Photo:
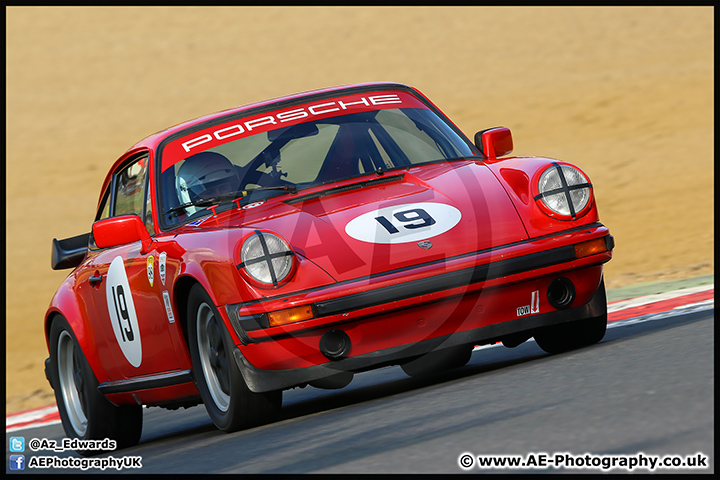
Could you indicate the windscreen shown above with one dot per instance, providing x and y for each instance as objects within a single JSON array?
[{"x": 301, "y": 147}]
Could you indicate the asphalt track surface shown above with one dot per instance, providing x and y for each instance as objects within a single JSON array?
[{"x": 647, "y": 388}]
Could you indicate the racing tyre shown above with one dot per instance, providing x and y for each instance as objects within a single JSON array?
[
  {"x": 438, "y": 361},
  {"x": 85, "y": 413},
  {"x": 228, "y": 400},
  {"x": 577, "y": 334}
]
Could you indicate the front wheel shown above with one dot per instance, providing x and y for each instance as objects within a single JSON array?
[
  {"x": 228, "y": 400},
  {"x": 85, "y": 413},
  {"x": 576, "y": 334},
  {"x": 438, "y": 361}
]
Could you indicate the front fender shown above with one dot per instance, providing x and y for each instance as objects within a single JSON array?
[
  {"x": 218, "y": 278},
  {"x": 211, "y": 258},
  {"x": 519, "y": 176},
  {"x": 215, "y": 270}
]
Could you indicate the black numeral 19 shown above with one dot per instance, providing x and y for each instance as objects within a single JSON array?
[
  {"x": 122, "y": 313},
  {"x": 411, "y": 219}
]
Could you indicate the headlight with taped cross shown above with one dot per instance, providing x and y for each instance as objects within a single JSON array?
[
  {"x": 267, "y": 259},
  {"x": 564, "y": 191}
]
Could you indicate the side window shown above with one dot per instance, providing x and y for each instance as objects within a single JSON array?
[
  {"x": 102, "y": 213},
  {"x": 128, "y": 193},
  {"x": 104, "y": 210},
  {"x": 129, "y": 189},
  {"x": 148, "y": 209}
]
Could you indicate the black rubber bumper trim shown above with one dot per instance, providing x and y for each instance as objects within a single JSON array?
[
  {"x": 260, "y": 380},
  {"x": 146, "y": 383},
  {"x": 437, "y": 283},
  {"x": 445, "y": 281},
  {"x": 410, "y": 268}
]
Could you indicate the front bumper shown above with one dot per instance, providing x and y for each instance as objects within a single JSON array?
[
  {"x": 470, "y": 299},
  {"x": 260, "y": 380}
]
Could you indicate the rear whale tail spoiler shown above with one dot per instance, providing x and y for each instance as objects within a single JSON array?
[{"x": 69, "y": 252}]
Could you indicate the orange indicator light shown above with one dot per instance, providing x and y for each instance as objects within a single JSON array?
[
  {"x": 590, "y": 247},
  {"x": 290, "y": 315}
]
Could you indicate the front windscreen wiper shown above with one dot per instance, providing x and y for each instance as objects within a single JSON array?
[
  {"x": 203, "y": 202},
  {"x": 289, "y": 188},
  {"x": 206, "y": 202},
  {"x": 380, "y": 179}
]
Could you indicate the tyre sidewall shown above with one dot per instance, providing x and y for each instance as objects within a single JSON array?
[
  {"x": 104, "y": 420},
  {"x": 246, "y": 409},
  {"x": 578, "y": 333},
  {"x": 573, "y": 335}
]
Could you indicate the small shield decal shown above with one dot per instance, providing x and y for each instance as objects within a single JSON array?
[{"x": 426, "y": 244}]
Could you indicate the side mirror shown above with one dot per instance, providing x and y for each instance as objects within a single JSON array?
[
  {"x": 494, "y": 142},
  {"x": 121, "y": 230}
]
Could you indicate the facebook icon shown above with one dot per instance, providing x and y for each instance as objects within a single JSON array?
[{"x": 17, "y": 462}]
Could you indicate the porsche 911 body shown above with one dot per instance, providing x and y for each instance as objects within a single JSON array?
[{"x": 305, "y": 239}]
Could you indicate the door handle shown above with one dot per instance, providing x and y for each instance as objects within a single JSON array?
[{"x": 95, "y": 279}]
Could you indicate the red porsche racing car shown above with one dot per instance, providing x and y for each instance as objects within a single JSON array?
[{"x": 301, "y": 240}]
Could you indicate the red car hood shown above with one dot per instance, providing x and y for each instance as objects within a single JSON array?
[{"x": 409, "y": 217}]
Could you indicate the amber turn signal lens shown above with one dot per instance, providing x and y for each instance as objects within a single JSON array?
[
  {"x": 290, "y": 315},
  {"x": 591, "y": 247}
]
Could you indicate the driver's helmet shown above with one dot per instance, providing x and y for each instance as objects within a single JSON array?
[{"x": 205, "y": 175}]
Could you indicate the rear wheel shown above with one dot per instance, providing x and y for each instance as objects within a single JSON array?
[
  {"x": 228, "y": 400},
  {"x": 577, "y": 334},
  {"x": 85, "y": 413}
]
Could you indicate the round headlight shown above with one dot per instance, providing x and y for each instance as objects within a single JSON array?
[
  {"x": 266, "y": 258},
  {"x": 564, "y": 190}
]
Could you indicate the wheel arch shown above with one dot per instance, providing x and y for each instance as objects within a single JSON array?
[
  {"x": 182, "y": 290},
  {"x": 68, "y": 308},
  {"x": 195, "y": 274}
]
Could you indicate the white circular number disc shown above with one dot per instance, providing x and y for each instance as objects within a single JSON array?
[
  {"x": 122, "y": 312},
  {"x": 410, "y": 222}
]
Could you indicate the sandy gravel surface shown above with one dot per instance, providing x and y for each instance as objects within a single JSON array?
[{"x": 626, "y": 93}]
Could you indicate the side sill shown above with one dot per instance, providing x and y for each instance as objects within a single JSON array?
[{"x": 147, "y": 382}]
